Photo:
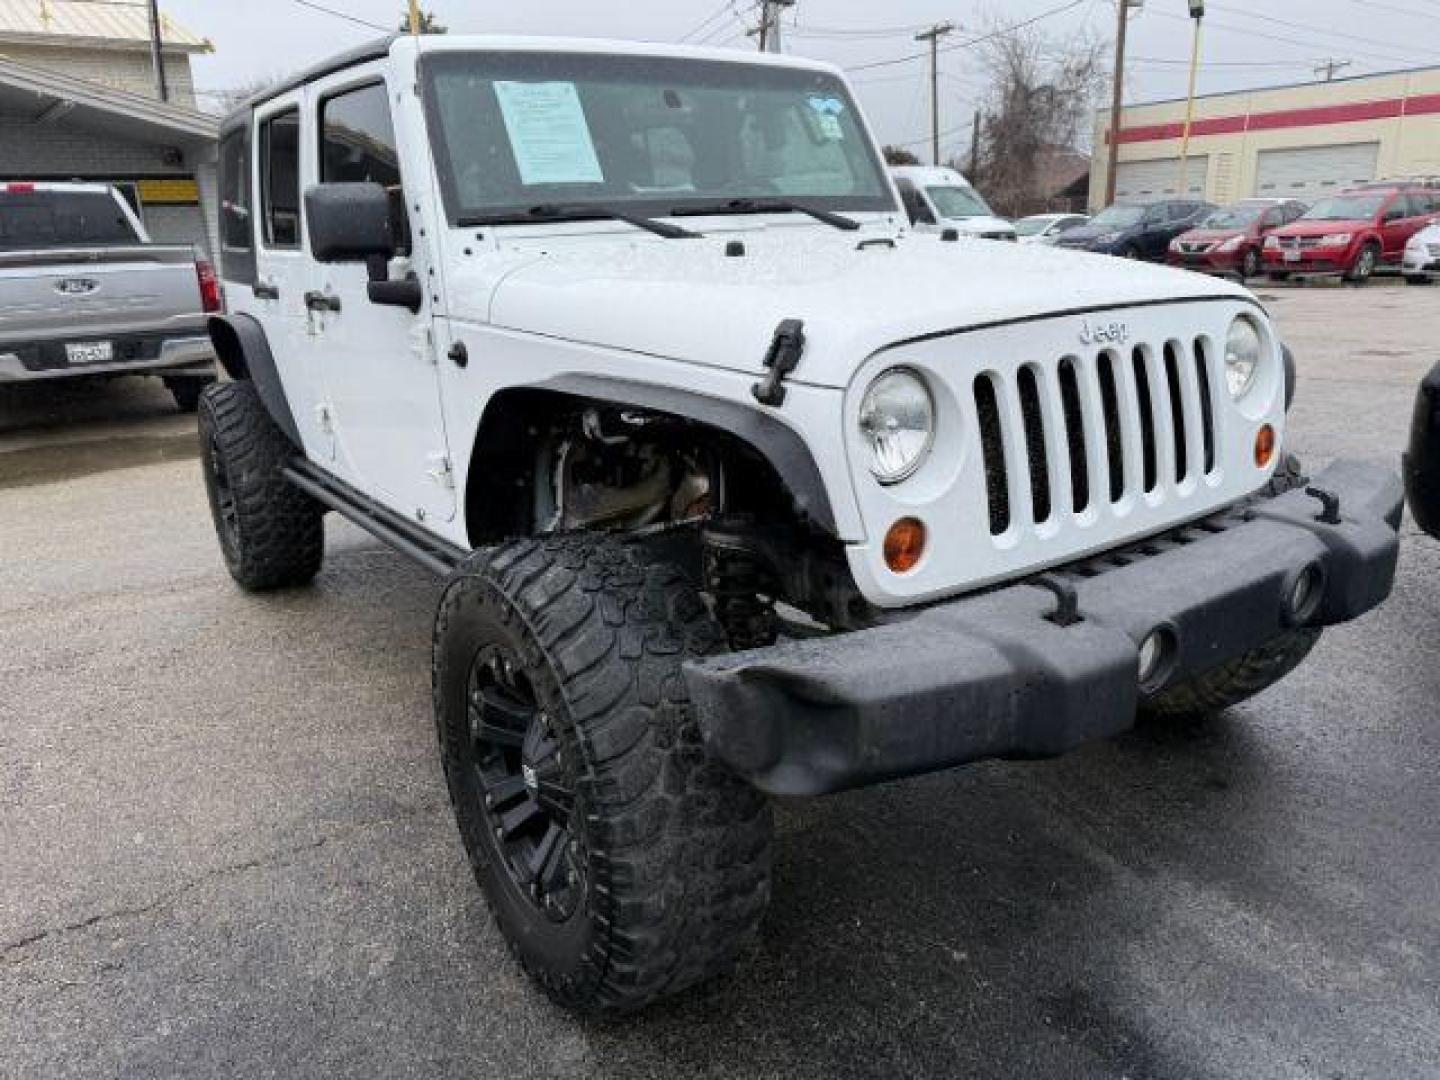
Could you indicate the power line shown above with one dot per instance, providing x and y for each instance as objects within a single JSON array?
[
  {"x": 972, "y": 42},
  {"x": 1290, "y": 24},
  {"x": 720, "y": 12},
  {"x": 344, "y": 15},
  {"x": 1294, "y": 42}
]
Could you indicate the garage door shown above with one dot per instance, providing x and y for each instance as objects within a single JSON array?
[
  {"x": 1149, "y": 181},
  {"x": 1315, "y": 171}
]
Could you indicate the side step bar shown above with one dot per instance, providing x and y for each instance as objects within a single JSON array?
[{"x": 436, "y": 555}]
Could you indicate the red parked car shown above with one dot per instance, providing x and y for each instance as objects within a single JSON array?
[
  {"x": 1353, "y": 234},
  {"x": 1230, "y": 240}
]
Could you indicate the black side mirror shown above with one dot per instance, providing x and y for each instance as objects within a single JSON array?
[
  {"x": 349, "y": 222},
  {"x": 353, "y": 223}
]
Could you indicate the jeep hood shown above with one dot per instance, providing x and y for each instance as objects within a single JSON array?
[{"x": 686, "y": 300}]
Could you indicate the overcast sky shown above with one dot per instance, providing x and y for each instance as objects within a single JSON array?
[{"x": 1247, "y": 42}]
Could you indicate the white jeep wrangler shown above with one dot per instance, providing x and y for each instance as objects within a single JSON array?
[{"x": 741, "y": 489}]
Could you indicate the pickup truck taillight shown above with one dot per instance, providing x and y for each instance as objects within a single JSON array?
[{"x": 209, "y": 286}]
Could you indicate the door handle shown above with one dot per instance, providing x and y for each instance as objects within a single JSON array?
[
  {"x": 264, "y": 290},
  {"x": 320, "y": 301}
]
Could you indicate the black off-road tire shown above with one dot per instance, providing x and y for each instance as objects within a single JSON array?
[
  {"x": 271, "y": 534},
  {"x": 671, "y": 851},
  {"x": 1235, "y": 682},
  {"x": 187, "y": 392}
]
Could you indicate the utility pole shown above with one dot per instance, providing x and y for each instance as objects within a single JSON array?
[
  {"x": 414, "y": 18},
  {"x": 975, "y": 149},
  {"x": 162, "y": 90},
  {"x": 1197, "y": 12},
  {"x": 1117, "y": 100},
  {"x": 1330, "y": 67},
  {"x": 933, "y": 36},
  {"x": 769, "y": 32}
]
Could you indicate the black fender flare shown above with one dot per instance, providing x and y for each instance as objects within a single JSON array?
[
  {"x": 777, "y": 443},
  {"x": 244, "y": 353}
]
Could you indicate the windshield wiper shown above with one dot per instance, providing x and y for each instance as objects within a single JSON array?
[
  {"x": 588, "y": 212},
  {"x": 766, "y": 206}
]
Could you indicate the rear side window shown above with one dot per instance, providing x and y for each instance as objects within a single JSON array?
[
  {"x": 357, "y": 146},
  {"x": 280, "y": 180},
  {"x": 47, "y": 219},
  {"x": 237, "y": 207}
]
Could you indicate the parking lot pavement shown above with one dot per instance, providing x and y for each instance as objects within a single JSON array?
[{"x": 225, "y": 848}]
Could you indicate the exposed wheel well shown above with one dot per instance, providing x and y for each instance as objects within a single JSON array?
[{"x": 522, "y": 427}]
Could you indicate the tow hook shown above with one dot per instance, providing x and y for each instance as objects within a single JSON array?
[
  {"x": 1330, "y": 514},
  {"x": 783, "y": 358},
  {"x": 1067, "y": 600}
]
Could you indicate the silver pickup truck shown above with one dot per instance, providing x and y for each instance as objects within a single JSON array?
[{"x": 84, "y": 293}]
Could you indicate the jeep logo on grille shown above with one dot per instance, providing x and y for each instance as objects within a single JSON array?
[
  {"x": 76, "y": 286},
  {"x": 1117, "y": 333}
]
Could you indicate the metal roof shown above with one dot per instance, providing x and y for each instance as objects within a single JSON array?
[{"x": 104, "y": 23}]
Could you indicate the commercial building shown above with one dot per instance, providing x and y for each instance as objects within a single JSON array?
[
  {"x": 1301, "y": 142},
  {"x": 79, "y": 101}
]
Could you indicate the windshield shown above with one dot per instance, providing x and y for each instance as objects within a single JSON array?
[
  {"x": 45, "y": 219},
  {"x": 1118, "y": 217},
  {"x": 649, "y": 135},
  {"x": 958, "y": 202},
  {"x": 1345, "y": 208},
  {"x": 1234, "y": 217}
]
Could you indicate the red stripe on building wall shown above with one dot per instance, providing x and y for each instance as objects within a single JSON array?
[{"x": 1385, "y": 109}]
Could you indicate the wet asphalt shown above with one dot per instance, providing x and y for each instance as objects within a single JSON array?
[{"x": 225, "y": 849}]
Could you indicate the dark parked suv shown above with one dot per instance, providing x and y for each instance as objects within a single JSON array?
[{"x": 1137, "y": 231}]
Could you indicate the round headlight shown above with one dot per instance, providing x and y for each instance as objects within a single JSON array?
[
  {"x": 1242, "y": 356},
  {"x": 897, "y": 419}
]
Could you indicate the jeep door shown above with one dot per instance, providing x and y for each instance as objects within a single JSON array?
[
  {"x": 379, "y": 363},
  {"x": 277, "y": 293}
]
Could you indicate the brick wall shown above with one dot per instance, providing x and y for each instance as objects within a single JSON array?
[{"x": 121, "y": 69}]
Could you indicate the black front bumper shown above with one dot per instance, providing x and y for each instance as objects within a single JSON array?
[
  {"x": 996, "y": 676},
  {"x": 1422, "y": 460}
]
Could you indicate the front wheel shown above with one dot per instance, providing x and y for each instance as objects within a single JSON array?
[
  {"x": 622, "y": 863},
  {"x": 1238, "y": 681},
  {"x": 1250, "y": 264},
  {"x": 1365, "y": 265}
]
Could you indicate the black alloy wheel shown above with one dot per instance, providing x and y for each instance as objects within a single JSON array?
[{"x": 522, "y": 786}]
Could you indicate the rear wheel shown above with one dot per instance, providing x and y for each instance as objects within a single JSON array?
[
  {"x": 1365, "y": 264},
  {"x": 622, "y": 863},
  {"x": 271, "y": 534}
]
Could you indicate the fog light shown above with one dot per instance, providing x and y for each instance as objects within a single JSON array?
[
  {"x": 1306, "y": 594},
  {"x": 1264, "y": 447},
  {"x": 904, "y": 545},
  {"x": 1156, "y": 653}
]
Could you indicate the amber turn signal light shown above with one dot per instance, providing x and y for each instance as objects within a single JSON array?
[
  {"x": 904, "y": 545},
  {"x": 1264, "y": 446}
]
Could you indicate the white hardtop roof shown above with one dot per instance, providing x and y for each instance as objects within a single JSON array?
[{"x": 604, "y": 47}]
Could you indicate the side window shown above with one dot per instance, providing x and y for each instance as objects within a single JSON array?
[
  {"x": 1273, "y": 219},
  {"x": 280, "y": 180},
  {"x": 237, "y": 223},
  {"x": 1398, "y": 209},
  {"x": 357, "y": 146}
]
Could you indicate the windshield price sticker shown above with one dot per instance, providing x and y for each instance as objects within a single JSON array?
[{"x": 549, "y": 135}]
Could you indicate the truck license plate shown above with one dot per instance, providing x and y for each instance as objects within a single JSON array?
[
  {"x": 1292, "y": 256},
  {"x": 93, "y": 352}
]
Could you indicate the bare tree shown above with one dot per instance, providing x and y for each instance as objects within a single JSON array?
[
  {"x": 232, "y": 98},
  {"x": 428, "y": 23},
  {"x": 1039, "y": 105},
  {"x": 898, "y": 155}
]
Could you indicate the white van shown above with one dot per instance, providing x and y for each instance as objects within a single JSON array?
[{"x": 938, "y": 199}]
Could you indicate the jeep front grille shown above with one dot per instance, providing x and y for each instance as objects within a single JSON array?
[{"x": 1141, "y": 418}]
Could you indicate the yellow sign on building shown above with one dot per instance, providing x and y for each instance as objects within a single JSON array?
[{"x": 177, "y": 191}]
